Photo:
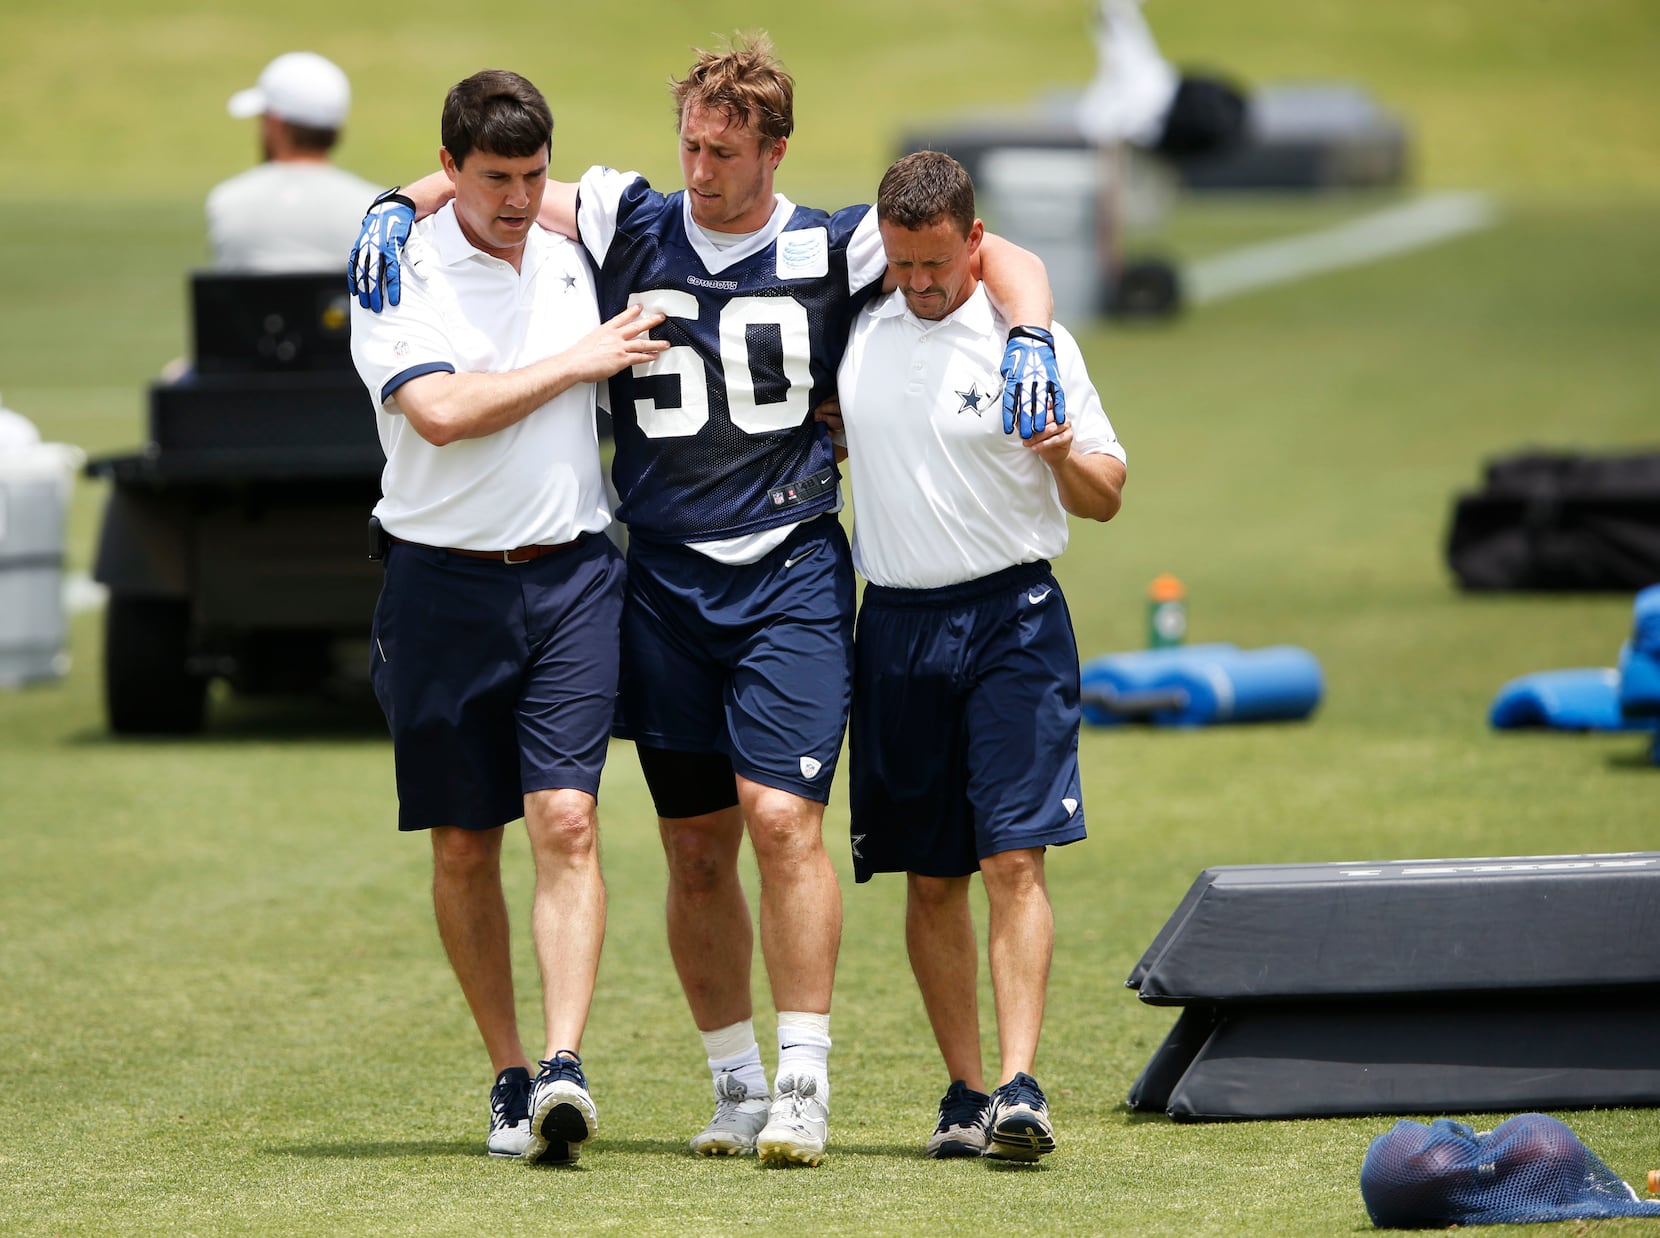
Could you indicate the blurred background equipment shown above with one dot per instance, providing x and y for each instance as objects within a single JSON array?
[
  {"x": 1561, "y": 521},
  {"x": 36, "y": 479},
  {"x": 1066, "y": 177},
  {"x": 1418, "y": 986},
  {"x": 233, "y": 542}
]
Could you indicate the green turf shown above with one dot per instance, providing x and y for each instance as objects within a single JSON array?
[{"x": 223, "y": 1008}]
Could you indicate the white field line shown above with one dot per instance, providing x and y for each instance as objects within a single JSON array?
[{"x": 1383, "y": 234}]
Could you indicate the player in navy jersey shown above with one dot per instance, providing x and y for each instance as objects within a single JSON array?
[{"x": 737, "y": 628}]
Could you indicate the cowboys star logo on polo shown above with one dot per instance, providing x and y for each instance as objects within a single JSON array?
[{"x": 971, "y": 399}]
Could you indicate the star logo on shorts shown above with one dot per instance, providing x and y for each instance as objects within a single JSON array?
[
  {"x": 857, "y": 839},
  {"x": 970, "y": 399}
]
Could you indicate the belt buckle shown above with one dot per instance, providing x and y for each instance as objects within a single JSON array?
[{"x": 507, "y": 557}]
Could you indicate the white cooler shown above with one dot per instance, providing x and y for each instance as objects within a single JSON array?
[{"x": 35, "y": 485}]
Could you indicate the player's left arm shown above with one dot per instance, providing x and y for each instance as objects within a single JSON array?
[
  {"x": 1091, "y": 484},
  {"x": 1018, "y": 286},
  {"x": 1016, "y": 281}
]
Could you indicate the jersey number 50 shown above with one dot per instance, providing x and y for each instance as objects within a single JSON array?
[{"x": 736, "y": 317}]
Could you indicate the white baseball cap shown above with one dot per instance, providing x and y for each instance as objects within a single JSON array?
[{"x": 300, "y": 87}]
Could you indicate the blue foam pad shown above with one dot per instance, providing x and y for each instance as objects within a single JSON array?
[
  {"x": 1117, "y": 687},
  {"x": 1639, "y": 689},
  {"x": 1198, "y": 685},
  {"x": 1584, "y": 699},
  {"x": 1276, "y": 684},
  {"x": 1645, "y": 621}
]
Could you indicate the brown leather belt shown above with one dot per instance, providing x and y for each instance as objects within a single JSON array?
[{"x": 523, "y": 554}]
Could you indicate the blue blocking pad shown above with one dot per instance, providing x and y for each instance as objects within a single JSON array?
[
  {"x": 1201, "y": 685},
  {"x": 1582, "y": 699}
]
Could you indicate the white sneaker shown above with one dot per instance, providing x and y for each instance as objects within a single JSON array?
[
  {"x": 509, "y": 1113},
  {"x": 562, "y": 1114},
  {"x": 796, "y": 1128},
  {"x": 738, "y": 1118}
]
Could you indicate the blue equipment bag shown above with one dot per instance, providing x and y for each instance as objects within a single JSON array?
[{"x": 1528, "y": 1168}]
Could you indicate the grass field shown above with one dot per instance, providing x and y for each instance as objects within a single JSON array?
[{"x": 223, "y": 1008}]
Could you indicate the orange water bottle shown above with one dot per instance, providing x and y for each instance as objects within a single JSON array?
[{"x": 1166, "y": 612}]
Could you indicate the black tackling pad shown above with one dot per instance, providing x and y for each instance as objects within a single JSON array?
[{"x": 1423, "y": 986}]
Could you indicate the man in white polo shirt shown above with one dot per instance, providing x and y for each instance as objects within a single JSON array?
[
  {"x": 964, "y": 727},
  {"x": 495, "y": 643}
]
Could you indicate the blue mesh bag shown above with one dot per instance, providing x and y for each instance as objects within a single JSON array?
[{"x": 1528, "y": 1168}]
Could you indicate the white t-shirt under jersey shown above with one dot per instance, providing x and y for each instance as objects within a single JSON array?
[{"x": 941, "y": 494}]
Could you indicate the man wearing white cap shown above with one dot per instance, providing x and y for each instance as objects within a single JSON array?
[{"x": 296, "y": 211}]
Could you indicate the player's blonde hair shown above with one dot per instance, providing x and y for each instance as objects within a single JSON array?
[{"x": 746, "y": 81}]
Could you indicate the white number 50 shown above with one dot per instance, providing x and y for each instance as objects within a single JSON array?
[{"x": 736, "y": 316}]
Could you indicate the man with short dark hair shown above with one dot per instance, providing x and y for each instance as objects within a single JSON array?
[
  {"x": 295, "y": 211},
  {"x": 494, "y": 651},
  {"x": 964, "y": 730}
]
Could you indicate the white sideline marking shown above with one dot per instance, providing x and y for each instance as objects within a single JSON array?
[
  {"x": 1383, "y": 234},
  {"x": 81, "y": 592}
]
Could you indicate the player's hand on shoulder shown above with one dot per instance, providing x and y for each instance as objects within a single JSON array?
[
  {"x": 372, "y": 274},
  {"x": 619, "y": 343},
  {"x": 1032, "y": 394}
]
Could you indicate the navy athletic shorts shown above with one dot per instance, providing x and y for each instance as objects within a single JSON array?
[
  {"x": 964, "y": 736},
  {"x": 754, "y": 661},
  {"x": 497, "y": 679}
]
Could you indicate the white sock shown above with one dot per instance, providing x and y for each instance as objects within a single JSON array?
[
  {"x": 734, "y": 1050},
  {"x": 804, "y": 1048}
]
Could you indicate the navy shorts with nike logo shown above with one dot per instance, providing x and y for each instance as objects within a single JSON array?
[
  {"x": 964, "y": 730},
  {"x": 751, "y": 660},
  {"x": 497, "y": 679}
]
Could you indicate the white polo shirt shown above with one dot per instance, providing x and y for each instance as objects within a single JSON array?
[
  {"x": 537, "y": 481},
  {"x": 941, "y": 495}
]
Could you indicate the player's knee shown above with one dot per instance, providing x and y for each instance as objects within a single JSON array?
[
  {"x": 785, "y": 830},
  {"x": 934, "y": 894},
  {"x": 697, "y": 870},
  {"x": 562, "y": 823},
  {"x": 1013, "y": 872},
  {"x": 462, "y": 854}
]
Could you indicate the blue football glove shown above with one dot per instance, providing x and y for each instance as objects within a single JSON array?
[
  {"x": 1031, "y": 382},
  {"x": 373, "y": 266}
]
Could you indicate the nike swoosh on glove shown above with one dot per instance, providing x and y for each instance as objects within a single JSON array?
[
  {"x": 373, "y": 267},
  {"x": 1031, "y": 382}
]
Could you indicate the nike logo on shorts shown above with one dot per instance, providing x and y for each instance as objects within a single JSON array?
[
  {"x": 1036, "y": 598},
  {"x": 798, "y": 558}
]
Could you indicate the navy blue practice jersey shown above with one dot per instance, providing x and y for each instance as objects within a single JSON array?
[{"x": 715, "y": 438}]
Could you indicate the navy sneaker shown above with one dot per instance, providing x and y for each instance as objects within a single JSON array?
[
  {"x": 962, "y": 1126},
  {"x": 1018, "y": 1122},
  {"x": 509, "y": 1113},
  {"x": 562, "y": 1114}
]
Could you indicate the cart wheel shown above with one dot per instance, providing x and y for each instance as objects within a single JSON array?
[
  {"x": 148, "y": 687},
  {"x": 1148, "y": 289}
]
